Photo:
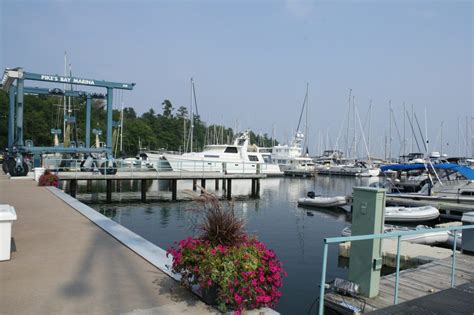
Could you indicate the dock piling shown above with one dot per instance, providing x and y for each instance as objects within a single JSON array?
[
  {"x": 229, "y": 189},
  {"x": 109, "y": 190},
  {"x": 73, "y": 188},
  {"x": 217, "y": 185},
  {"x": 174, "y": 188},
  {"x": 143, "y": 190},
  {"x": 194, "y": 184}
]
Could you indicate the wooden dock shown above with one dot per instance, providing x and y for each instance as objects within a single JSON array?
[
  {"x": 172, "y": 177},
  {"x": 413, "y": 283}
]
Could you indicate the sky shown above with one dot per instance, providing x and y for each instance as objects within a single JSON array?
[{"x": 251, "y": 60}]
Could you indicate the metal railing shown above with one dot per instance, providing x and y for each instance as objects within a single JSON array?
[{"x": 398, "y": 235}]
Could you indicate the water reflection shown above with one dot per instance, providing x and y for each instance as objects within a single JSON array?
[{"x": 296, "y": 234}]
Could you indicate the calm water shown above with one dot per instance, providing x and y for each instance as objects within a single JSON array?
[{"x": 294, "y": 233}]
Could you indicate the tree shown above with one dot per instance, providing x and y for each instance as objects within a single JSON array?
[
  {"x": 182, "y": 112},
  {"x": 167, "y": 109}
]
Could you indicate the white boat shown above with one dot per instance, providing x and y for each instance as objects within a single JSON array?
[
  {"x": 323, "y": 202},
  {"x": 410, "y": 214},
  {"x": 428, "y": 238},
  {"x": 291, "y": 157},
  {"x": 235, "y": 159}
]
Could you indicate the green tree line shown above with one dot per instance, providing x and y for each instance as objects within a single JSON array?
[{"x": 166, "y": 130}]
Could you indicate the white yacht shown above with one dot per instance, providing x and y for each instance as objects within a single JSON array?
[
  {"x": 224, "y": 158},
  {"x": 291, "y": 158}
]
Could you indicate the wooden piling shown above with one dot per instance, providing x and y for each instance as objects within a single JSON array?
[
  {"x": 109, "y": 190},
  {"x": 73, "y": 188},
  {"x": 194, "y": 184},
  {"x": 217, "y": 184},
  {"x": 257, "y": 192},
  {"x": 224, "y": 186},
  {"x": 252, "y": 192},
  {"x": 229, "y": 189},
  {"x": 203, "y": 185},
  {"x": 143, "y": 190},
  {"x": 174, "y": 188}
]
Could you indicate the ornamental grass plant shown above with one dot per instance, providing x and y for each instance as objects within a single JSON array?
[{"x": 243, "y": 271}]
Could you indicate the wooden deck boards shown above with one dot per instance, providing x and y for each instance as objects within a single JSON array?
[{"x": 418, "y": 282}]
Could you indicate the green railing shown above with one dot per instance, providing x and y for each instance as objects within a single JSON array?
[{"x": 398, "y": 235}]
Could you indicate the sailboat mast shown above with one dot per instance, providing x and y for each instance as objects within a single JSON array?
[
  {"x": 426, "y": 132},
  {"x": 354, "y": 139},
  {"x": 404, "y": 130},
  {"x": 191, "y": 118},
  {"x": 64, "y": 99},
  {"x": 390, "y": 130},
  {"x": 442, "y": 138},
  {"x": 121, "y": 129},
  {"x": 306, "y": 122},
  {"x": 412, "y": 133}
]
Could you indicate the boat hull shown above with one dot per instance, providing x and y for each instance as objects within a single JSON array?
[
  {"x": 323, "y": 202},
  {"x": 415, "y": 214}
]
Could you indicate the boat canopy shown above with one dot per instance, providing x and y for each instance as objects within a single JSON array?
[{"x": 464, "y": 170}]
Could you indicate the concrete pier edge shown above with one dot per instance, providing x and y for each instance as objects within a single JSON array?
[{"x": 155, "y": 255}]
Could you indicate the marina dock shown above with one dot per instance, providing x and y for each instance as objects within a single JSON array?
[
  {"x": 64, "y": 263},
  {"x": 411, "y": 255},
  {"x": 170, "y": 176},
  {"x": 434, "y": 277}
]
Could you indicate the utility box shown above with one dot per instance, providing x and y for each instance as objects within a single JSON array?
[
  {"x": 365, "y": 260},
  {"x": 7, "y": 216},
  {"x": 467, "y": 243}
]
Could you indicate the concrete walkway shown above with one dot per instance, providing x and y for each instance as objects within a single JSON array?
[{"x": 64, "y": 264}]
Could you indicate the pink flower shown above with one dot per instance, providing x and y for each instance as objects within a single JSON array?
[{"x": 237, "y": 299}]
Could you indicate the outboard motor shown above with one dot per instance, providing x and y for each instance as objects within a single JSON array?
[{"x": 311, "y": 194}]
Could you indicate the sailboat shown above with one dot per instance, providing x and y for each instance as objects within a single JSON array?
[{"x": 292, "y": 159}]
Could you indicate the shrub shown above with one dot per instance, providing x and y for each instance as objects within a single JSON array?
[{"x": 48, "y": 179}]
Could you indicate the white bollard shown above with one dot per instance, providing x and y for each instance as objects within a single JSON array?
[
  {"x": 7, "y": 216},
  {"x": 38, "y": 172}
]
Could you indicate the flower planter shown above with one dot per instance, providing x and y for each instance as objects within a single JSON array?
[{"x": 209, "y": 295}]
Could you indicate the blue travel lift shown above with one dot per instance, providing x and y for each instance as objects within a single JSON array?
[{"x": 13, "y": 82}]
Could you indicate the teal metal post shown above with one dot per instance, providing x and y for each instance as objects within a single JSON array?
[
  {"x": 88, "y": 121},
  {"x": 19, "y": 113},
  {"x": 395, "y": 296},
  {"x": 453, "y": 264},
  {"x": 11, "y": 115},
  {"x": 110, "y": 93},
  {"x": 323, "y": 279}
]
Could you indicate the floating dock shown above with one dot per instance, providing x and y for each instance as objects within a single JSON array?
[
  {"x": 411, "y": 255},
  {"x": 414, "y": 283}
]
